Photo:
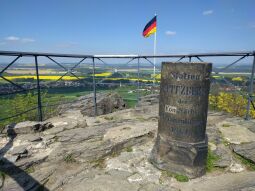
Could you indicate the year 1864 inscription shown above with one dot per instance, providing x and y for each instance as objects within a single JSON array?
[{"x": 183, "y": 108}]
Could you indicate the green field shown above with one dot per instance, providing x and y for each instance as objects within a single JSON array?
[{"x": 14, "y": 104}]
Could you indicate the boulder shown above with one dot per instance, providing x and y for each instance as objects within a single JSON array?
[
  {"x": 27, "y": 127},
  {"x": 106, "y": 103}
]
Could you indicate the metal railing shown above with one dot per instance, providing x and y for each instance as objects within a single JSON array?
[{"x": 102, "y": 58}]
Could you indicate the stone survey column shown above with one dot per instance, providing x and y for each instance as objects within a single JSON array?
[{"x": 181, "y": 144}]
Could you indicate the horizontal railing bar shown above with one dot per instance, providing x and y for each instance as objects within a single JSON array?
[{"x": 16, "y": 53}]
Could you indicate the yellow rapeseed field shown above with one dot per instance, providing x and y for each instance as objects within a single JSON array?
[
  {"x": 104, "y": 74},
  {"x": 42, "y": 77}
]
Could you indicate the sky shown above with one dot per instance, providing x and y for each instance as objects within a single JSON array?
[{"x": 115, "y": 26}]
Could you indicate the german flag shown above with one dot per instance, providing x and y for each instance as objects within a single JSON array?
[{"x": 150, "y": 28}]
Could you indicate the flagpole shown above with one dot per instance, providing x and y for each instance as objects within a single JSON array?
[{"x": 154, "y": 53}]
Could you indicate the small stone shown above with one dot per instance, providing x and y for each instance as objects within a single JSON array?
[
  {"x": 12, "y": 159},
  {"x": 135, "y": 178},
  {"x": 22, "y": 149},
  {"x": 212, "y": 146},
  {"x": 225, "y": 158},
  {"x": 236, "y": 168},
  {"x": 34, "y": 138}
]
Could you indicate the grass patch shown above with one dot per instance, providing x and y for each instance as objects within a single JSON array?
[
  {"x": 142, "y": 119},
  {"x": 115, "y": 154},
  {"x": 108, "y": 118},
  {"x": 100, "y": 163},
  {"x": 226, "y": 125},
  {"x": 129, "y": 149},
  {"x": 225, "y": 142},
  {"x": 69, "y": 158},
  {"x": 30, "y": 170},
  {"x": 181, "y": 178},
  {"x": 2, "y": 176},
  {"x": 211, "y": 159},
  {"x": 178, "y": 177},
  {"x": 246, "y": 162}
]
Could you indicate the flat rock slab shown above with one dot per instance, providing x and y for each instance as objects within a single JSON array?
[
  {"x": 129, "y": 130},
  {"x": 103, "y": 183},
  {"x": 246, "y": 150},
  {"x": 27, "y": 127},
  {"x": 225, "y": 157},
  {"x": 235, "y": 133},
  {"x": 22, "y": 149},
  {"x": 69, "y": 120},
  {"x": 31, "y": 138},
  {"x": 238, "y": 181}
]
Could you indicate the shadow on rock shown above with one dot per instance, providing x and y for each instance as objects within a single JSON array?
[{"x": 22, "y": 178}]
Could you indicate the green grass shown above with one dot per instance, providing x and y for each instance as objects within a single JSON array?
[
  {"x": 181, "y": 178},
  {"x": 129, "y": 149},
  {"x": 109, "y": 118},
  {"x": 178, "y": 177},
  {"x": 211, "y": 159},
  {"x": 2, "y": 175},
  {"x": 8, "y": 104},
  {"x": 30, "y": 170},
  {"x": 226, "y": 125},
  {"x": 100, "y": 163},
  {"x": 69, "y": 158}
]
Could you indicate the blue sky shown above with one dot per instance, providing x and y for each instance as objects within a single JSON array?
[{"x": 115, "y": 26}]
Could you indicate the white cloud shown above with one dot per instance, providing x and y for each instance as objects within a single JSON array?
[
  {"x": 12, "y": 38},
  {"x": 170, "y": 33},
  {"x": 208, "y": 12},
  {"x": 25, "y": 40},
  {"x": 18, "y": 39}
]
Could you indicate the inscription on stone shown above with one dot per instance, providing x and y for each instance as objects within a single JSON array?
[
  {"x": 183, "y": 108},
  {"x": 170, "y": 109}
]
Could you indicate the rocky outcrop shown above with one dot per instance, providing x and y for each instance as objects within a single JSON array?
[
  {"x": 110, "y": 152},
  {"x": 106, "y": 103}
]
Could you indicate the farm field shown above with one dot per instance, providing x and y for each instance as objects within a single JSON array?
[
  {"x": 125, "y": 80},
  {"x": 14, "y": 104}
]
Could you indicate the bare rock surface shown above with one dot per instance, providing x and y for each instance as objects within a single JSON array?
[
  {"x": 247, "y": 150},
  {"x": 235, "y": 131},
  {"x": 220, "y": 182},
  {"x": 110, "y": 152},
  {"x": 225, "y": 157}
]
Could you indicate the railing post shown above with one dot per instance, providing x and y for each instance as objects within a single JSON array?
[
  {"x": 190, "y": 58},
  {"x": 39, "y": 101},
  {"x": 250, "y": 94},
  {"x": 94, "y": 88},
  {"x": 138, "y": 80}
]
